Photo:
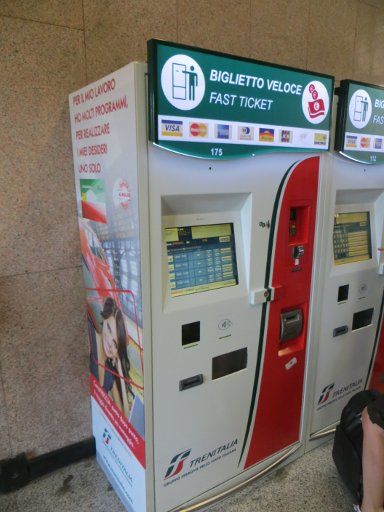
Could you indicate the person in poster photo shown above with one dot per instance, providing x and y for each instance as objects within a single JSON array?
[{"x": 114, "y": 341}]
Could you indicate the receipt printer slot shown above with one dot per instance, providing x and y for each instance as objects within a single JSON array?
[{"x": 291, "y": 324}]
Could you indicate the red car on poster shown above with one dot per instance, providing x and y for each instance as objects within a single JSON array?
[{"x": 98, "y": 277}]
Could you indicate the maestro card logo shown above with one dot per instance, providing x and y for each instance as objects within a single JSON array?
[
  {"x": 315, "y": 102},
  {"x": 360, "y": 108},
  {"x": 183, "y": 82}
]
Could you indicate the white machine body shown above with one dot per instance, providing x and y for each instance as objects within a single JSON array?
[{"x": 350, "y": 289}]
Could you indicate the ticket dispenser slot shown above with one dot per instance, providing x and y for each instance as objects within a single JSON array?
[{"x": 291, "y": 324}]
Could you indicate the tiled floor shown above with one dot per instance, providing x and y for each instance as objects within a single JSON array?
[{"x": 308, "y": 484}]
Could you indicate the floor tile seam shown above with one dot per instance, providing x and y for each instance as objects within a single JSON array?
[
  {"x": 60, "y": 269},
  {"x": 41, "y": 22}
]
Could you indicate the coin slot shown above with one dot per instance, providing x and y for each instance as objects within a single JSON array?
[
  {"x": 191, "y": 382},
  {"x": 340, "y": 330}
]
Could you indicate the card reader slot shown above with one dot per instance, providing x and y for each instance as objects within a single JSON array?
[{"x": 191, "y": 382}]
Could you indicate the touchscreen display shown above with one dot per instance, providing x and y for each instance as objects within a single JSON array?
[
  {"x": 352, "y": 237},
  {"x": 201, "y": 258}
]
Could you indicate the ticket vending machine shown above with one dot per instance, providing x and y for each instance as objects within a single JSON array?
[
  {"x": 350, "y": 299},
  {"x": 197, "y": 232}
]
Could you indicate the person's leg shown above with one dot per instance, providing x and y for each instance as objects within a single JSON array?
[{"x": 373, "y": 466}]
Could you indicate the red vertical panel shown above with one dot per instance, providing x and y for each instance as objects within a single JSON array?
[
  {"x": 277, "y": 422},
  {"x": 377, "y": 381}
]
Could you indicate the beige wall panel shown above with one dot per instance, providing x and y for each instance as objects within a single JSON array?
[
  {"x": 375, "y": 3},
  {"x": 365, "y": 41},
  {"x": 369, "y": 46},
  {"x": 116, "y": 31},
  {"x": 279, "y": 31},
  {"x": 218, "y": 25},
  {"x": 331, "y": 37},
  {"x": 44, "y": 355},
  {"x": 378, "y": 50},
  {"x": 40, "y": 64},
  {"x": 5, "y": 447},
  {"x": 58, "y": 12}
]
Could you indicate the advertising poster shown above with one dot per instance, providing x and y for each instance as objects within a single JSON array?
[{"x": 106, "y": 188}]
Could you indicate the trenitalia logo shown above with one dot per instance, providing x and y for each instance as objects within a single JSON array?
[
  {"x": 106, "y": 437},
  {"x": 115, "y": 456},
  {"x": 177, "y": 464},
  {"x": 179, "y": 467},
  {"x": 325, "y": 394}
]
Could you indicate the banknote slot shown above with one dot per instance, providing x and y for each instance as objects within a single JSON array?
[
  {"x": 362, "y": 319},
  {"x": 231, "y": 362}
]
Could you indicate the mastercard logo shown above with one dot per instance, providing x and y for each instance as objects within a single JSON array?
[{"x": 198, "y": 129}]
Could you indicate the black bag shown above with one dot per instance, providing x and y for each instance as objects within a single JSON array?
[{"x": 348, "y": 443}]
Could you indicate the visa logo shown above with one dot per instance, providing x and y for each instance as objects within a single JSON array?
[{"x": 171, "y": 128}]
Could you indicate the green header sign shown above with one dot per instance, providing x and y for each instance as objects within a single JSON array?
[
  {"x": 213, "y": 105},
  {"x": 360, "y": 122}
]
